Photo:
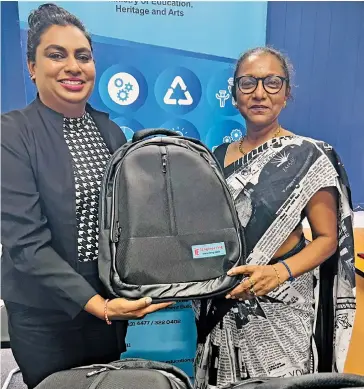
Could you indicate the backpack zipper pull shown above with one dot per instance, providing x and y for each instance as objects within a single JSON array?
[
  {"x": 116, "y": 232},
  {"x": 101, "y": 370},
  {"x": 94, "y": 372},
  {"x": 164, "y": 163}
]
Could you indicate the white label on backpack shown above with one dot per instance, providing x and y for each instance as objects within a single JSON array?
[{"x": 208, "y": 250}]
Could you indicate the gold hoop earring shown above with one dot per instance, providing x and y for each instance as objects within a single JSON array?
[{"x": 285, "y": 104}]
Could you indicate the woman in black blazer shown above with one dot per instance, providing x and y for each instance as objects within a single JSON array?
[{"x": 53, "y": 155}]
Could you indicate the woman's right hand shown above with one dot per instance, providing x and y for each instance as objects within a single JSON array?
[{"x": 122, "y": 309}]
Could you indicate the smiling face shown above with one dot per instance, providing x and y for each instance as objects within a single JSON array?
[
  {"x": 64, "y": 69},
  {"x": 261, "y": 108}
]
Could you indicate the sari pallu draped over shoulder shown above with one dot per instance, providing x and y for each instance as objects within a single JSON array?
[{"x": 305, "y": 325}]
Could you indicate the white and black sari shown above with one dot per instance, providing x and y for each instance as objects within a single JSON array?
[{"x": 304, "y": 325}]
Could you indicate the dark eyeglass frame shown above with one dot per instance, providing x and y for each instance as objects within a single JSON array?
[{"x": 283, "y": 79}]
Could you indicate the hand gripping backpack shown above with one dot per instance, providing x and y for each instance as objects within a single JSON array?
[{"x": 168, "y": 227}]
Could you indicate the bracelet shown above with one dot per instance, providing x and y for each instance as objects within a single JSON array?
[
  {"x": 105, "y": 313},
  {"x": 277, "y": 274},
  {"x": 291, "y": 278}
]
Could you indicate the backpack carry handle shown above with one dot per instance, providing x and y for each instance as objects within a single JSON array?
[{"x": 140, "y": 135}]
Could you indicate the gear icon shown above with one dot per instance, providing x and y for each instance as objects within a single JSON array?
[
  {"x": 226, "y": 139},
  {"x": 123, "y": 95},
  {"x": 128, "y": 87},
  {"x": 236, "y": 134},
  {"x": 119, "y": 83}
]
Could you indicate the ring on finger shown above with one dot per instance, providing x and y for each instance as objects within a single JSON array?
[
  {"x": 252, "y": 282},
  {"x": 252, "y": 291}
]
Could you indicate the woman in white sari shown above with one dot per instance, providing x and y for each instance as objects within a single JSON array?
[{"x": 295, "y": 299}]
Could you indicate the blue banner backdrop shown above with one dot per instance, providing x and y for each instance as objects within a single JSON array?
[{"x": 166, "y": 64}]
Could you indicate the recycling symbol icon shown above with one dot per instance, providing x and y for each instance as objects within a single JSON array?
[{"x": 187, "y": 100}]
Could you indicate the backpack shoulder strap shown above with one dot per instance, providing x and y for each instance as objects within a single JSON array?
[{"x": 220, "y": 153}]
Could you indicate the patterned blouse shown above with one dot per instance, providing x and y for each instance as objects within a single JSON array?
[{"x": 89, "y": 158}]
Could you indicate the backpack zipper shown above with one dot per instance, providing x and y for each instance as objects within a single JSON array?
[
  {"x": 115, "y": 228},
  {"x": 168, "y": 182}
]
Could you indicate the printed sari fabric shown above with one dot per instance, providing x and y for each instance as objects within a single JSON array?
[{"x": 305, "y": 325}]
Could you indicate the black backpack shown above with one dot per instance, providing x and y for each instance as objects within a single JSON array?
[
  {"x": 124, "y": 374},
  {"x": 168, "y": 227}
]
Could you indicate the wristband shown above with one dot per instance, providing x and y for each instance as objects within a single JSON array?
[{"x": 291, "y": 278}]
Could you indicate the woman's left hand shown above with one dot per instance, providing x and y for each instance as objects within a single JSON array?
[{"x": 260, "y": 281}]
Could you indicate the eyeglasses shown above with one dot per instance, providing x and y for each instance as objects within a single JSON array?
[{"x": 271, "y": 84}]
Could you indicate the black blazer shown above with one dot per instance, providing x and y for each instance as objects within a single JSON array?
[{"x": 39, "y": 266}]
